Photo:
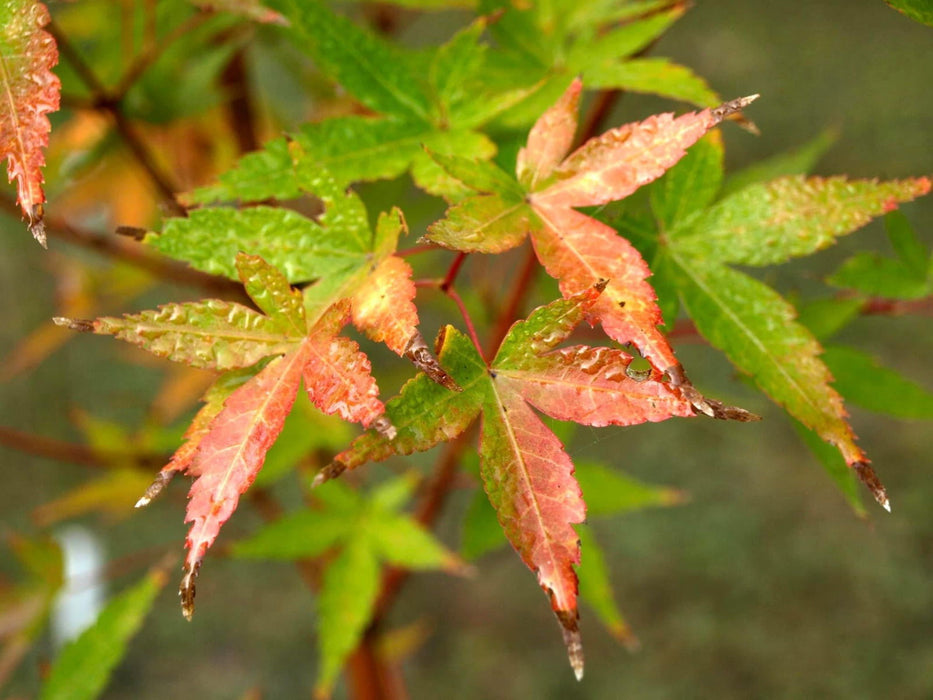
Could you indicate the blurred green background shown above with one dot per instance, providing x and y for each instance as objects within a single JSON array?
[{"x": 763, "y": 585}]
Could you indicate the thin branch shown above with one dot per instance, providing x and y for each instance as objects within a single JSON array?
[
  {"x": 512, "y": 308},
  {"x": 453, "y": 271},
  {"x": 138, "y": 255},
  {"x": 415, "y": 250},
  {"x": 74, "y": 453},
  {"x": 68, "y": 52},
  {"x": 897, "y": 307},
  {"x": 240, "y": 112},
  {"x": 471, "y": 330}
]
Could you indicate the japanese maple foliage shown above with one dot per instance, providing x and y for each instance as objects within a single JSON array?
[{"x": 285, "y": 224}]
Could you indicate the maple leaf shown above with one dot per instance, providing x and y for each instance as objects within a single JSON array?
[
  {"x": 364, "y": 532},
  {"x": 527, "y": 475},
  {"x": 30, "y": 92},
  {"x": 695, "y": 239},
  {"x": 227, "y": 442},
  {"x": 339, "y": 251},
  {"x": 573, "y": 247}
]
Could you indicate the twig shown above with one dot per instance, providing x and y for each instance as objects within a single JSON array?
[
  {"x": 135, "y": 254},
  {"x": 104, "y": 100},
  {"x": 452, "y": 272},
  {"x": 240, "y": 112},
  {"x": 74, "y": 453},
  {"x": 513, "y": 306},
  {"x": 471, "y": 330}
]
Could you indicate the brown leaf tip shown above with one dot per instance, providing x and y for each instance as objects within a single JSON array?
[
  {"x": 420, "y": 356},
  {"x": 37, "y": 225},
  {"x": 868, "y": 477},
  {"x": 331, "y": 471},
  {"x": 572, "y": 640},
  {"x": 732, "y": 107},
  {"x": 723, "y": 412},
  {"x": 187, "y": 589},
  {"x": 76, "y": 324},
  {"x": 155, "y": 488}
]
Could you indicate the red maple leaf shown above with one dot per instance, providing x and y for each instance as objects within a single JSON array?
[
  {"x": 526, "y": 472},
  {"x": 30, "y": 92},
  {"x": 575, "y": 248}
]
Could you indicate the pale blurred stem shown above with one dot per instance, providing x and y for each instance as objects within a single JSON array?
[
  {"x": 240, "y": 112},
  {"x": 106, "y": 101},
  {"x": 137, "y": 255}
]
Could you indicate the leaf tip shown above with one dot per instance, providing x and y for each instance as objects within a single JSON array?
[
  {"x": 723, "y": 412},
  {"x": 731, "y": 107},
  {"x": 155, "y": 488},
  {"x": 868, "y": 477},
  {"x": 420, "y": 356},
  {"x": 37, "y": 229},
  {"x": 75, "y": 324},
  {"x": 187, "y": 589},
  {"x": 331, "y": 471},
  {"x": 569, "y": 627}
]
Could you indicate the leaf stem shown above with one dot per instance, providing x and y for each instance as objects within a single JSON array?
[
  {"x": 513, "y": 306},
  {"x": 471, "y": 330},
  {"x": 453, "y": 271}
]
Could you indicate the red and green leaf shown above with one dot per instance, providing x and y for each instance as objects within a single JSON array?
[
  {"x": 232, "y": 453},
  {"x": 30, "y": 92},
  {"x": 766, "y": 223},
  {"x": 575, "y": 248},
  {"x": 526, "y": 472}
]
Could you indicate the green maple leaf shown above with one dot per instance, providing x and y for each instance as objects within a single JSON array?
[
  {"x": 338, "y": 251},
  {"x": 696, "y": 239}
]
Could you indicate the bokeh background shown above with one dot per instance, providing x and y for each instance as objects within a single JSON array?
[{"x": 763, "y": 585}]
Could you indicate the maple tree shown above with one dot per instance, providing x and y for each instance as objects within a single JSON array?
[{"x": 636, "y": 224}]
